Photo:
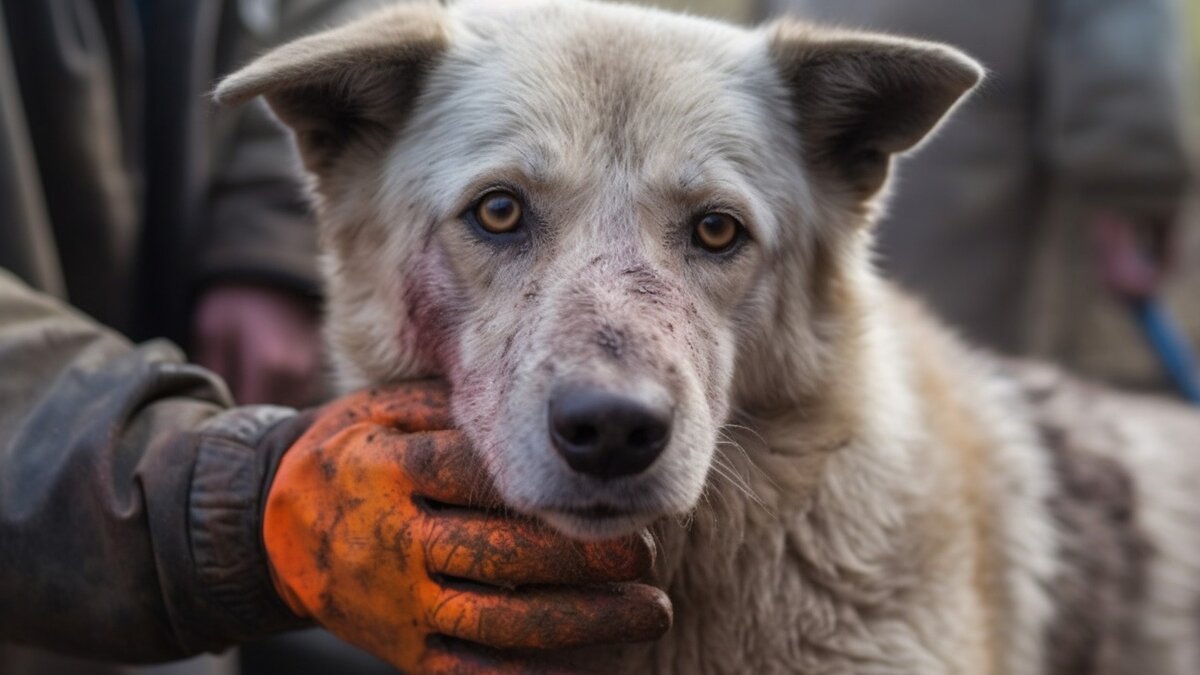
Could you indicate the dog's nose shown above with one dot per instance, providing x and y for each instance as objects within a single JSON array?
[{"x": 605, "y": 434}]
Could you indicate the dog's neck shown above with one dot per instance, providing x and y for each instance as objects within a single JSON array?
[
  {"x": 806, "y": 524},
  {"x": 788, "y": 466}
]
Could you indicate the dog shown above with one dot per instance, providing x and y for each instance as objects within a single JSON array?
[{"x": 638, "y": 246}]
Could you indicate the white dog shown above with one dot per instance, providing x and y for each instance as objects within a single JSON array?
[{"x": 638, "y": 247}]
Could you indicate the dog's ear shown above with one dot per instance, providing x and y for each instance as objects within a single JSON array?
[
  {"x": 861, "y": 98},
  {"x": 348, "y": 85}
]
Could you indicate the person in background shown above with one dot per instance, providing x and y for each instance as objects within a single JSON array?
[
  {"x": 127, "y": 194},
  {"x": 1053, "y": 194}
]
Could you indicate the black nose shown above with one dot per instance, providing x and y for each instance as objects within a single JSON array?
[{"x": 608, "y": 435}]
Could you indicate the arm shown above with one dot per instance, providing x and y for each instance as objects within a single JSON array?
[
  {"x": 129, "y": 493},
  {"x": 141, "y": 519},
  {"x": 255, "y": 321},
  {"x": 260, "y": 227}
]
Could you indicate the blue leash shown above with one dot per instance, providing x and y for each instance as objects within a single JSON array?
[{"x": 1170, "y": 345}]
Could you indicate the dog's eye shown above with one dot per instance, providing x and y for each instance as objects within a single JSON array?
[
  {"x": 499, "y": 212},
  {"x": 717, "y": 232}
]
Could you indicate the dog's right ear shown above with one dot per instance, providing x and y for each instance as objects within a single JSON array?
[
  {"x": 860, "y": 98},
  {"x": 346, "y": 86}
]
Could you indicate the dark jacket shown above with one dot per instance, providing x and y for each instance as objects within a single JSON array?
[
  {"x": 122, "y": 189},
  {"x": 129, "y": 488},
  {"x": 130, "y": 493}
]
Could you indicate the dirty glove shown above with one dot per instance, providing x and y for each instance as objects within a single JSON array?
[{"x": 381, "y": 526}]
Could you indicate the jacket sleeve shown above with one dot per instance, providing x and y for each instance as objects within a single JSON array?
[
  {"x": 130, "y": 493},
  {"x": 260, "y": 228},
  {"x": 1113, "y": 87}
]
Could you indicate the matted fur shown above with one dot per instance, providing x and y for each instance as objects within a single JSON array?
[{"x": 847, "y": 489}]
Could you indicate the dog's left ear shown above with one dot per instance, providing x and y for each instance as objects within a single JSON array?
[
  {"x": 860, "y": 98},
  {"x": 350, "y": 85}
]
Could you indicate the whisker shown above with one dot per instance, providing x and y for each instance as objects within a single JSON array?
[
  {"x": 746, "y": 455},
  {"x": 724, "y": 470}
]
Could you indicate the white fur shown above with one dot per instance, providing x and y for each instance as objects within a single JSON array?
[{"x": 847, "y": 489}]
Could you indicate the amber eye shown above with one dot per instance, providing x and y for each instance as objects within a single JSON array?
[
  {"x": 499, "y": 212},
  {"x": 716, "y": 232}
]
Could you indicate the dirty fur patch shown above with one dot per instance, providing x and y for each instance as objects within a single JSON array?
[{"x": 1102, "y": 555}]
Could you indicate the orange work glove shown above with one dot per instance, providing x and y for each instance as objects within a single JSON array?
[{"x": 382, "y": 526}]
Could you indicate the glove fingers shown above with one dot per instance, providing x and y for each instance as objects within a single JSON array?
[
  {"x": 554, "y": 618},
  {"x": 509, "y": 552},
  {"x": 443, "y": 467},
  {"x": 436, "y": 465},
  {"x": 463, "y": 659},
  {"x": 413, "y": 406}
]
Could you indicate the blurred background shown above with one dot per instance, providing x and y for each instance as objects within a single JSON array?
[
  {"x": 1057, "y": 215},
  {"x": 1193, "y": 48}
]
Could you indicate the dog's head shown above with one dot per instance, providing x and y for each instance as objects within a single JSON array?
[{"x": 606, "y": 226}]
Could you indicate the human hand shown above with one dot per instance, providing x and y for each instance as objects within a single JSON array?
[
  {"x": 382, "y": 526},
  {"x": 1134, "y": 255},
  {"x": 264, "y": 342}
]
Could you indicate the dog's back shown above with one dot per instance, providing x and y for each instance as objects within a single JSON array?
[
  {"x": 1115, "y": 476},
  {"x": 1128, "y": 506}
]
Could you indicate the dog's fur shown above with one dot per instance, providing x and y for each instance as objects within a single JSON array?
[{"x": 847, "y": 488}]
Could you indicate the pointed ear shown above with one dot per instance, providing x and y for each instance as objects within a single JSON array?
[
  {"x": 861, "y": 98},
  {"x": 346, "y": 86}
]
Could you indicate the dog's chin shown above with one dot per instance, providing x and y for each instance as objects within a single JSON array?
[{"x": 596, "y": 523}]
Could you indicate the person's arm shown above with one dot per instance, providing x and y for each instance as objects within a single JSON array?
[
  {"x": 129, "y": 493},
  {"x": 259, "y": 227},
  {"x": 256, "y": 309},
  {"x": 257, "y": 288},
  {"x": 142, "y": 519}
]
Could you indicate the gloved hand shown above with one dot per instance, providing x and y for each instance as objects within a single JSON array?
[{"x": 381, "y": 526}]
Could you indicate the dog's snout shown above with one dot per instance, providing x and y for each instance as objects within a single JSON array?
[{"x": 605, "y": 434}]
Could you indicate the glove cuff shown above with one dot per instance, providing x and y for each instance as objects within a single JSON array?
[{"x": 238, "y": 452}]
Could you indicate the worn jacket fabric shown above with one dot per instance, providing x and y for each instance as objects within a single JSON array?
[
  {"x": 121, "y": 171},
  {"x": 1081, "y": 105},
  {"x": 130, "y": 493},
  {"x": 129, "y": 490}
]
